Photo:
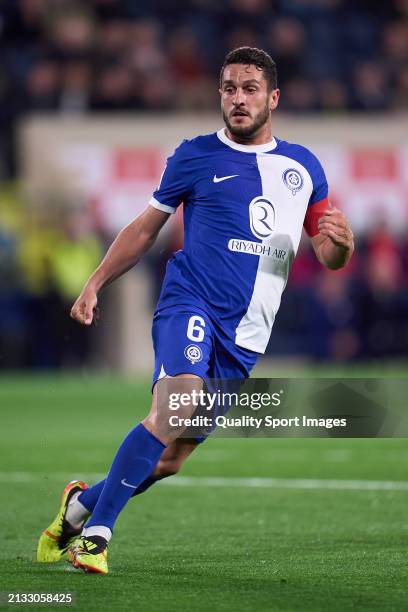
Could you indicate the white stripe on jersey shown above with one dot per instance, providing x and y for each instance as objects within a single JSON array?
[
  {"x": 163, "y": 207},
  {"x": 254, "y": 329}
]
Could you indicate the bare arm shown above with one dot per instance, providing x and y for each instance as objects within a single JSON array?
[
  {"x": 125, "y": 251},
  {"x": 334, "y": 244}
]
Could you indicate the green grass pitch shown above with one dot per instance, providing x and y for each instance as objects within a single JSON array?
[{"x": 201, "y": 547}]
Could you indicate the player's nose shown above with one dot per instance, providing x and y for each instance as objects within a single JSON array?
[{"x": 239, "y": 97}]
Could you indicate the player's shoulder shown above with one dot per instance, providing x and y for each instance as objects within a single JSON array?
[
  {"x": 307, "y": 160},
  {"x": 299, "y": 153},
  {"x": 199, "y": 145}
]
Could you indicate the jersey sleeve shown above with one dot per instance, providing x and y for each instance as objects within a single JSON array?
[
  {"x": 174, "y": 183},
  {"x": 318, "y": 202}
]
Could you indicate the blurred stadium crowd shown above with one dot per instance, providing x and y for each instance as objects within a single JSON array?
[
  {"x": 62, "y": 56},
  {"x": 114, "y": 55},
  {"x": 359, "y": 313}
]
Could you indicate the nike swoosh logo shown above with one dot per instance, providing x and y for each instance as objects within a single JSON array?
[
  {"x": 217, "y": 179},
  {"x": 125, "y": 484}
]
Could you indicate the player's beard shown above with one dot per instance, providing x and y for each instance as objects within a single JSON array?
[{"x": 247, "y": 132}]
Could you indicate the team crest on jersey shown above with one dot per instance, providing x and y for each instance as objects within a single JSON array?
[
  {"x": 193, "y": 353},
  {"x": 262, "y": 217},
  {"x": 293, "y": 180}
]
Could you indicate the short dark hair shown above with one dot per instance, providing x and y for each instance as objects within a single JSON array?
[{"x": 256, "y": 57}]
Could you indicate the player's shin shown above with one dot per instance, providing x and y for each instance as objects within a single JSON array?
[
  {"x": 85, "y": 504},
  {"x": 134, "y": 462}
]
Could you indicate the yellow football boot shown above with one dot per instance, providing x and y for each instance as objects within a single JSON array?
[
  {"x": 90, "y": 554},
  {"x": 55, "y": 540}
]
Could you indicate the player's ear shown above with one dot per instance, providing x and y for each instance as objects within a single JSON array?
[{"x": 274, "y": 99}]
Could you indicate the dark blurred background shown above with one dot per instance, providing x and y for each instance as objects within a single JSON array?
[{"x": 67, "y": 60}]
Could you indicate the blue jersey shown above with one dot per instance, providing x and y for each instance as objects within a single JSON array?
[{"x": 244, "y": 209}]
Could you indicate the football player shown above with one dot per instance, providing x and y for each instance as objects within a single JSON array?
[{"x": 247, "y": 195}]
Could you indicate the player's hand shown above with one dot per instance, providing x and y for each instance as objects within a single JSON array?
[
  {"x": 85, "y": 310},
  {"x": 335, "y": 225}
]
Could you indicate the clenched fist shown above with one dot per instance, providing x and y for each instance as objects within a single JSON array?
[
  {"x": 85, "y": 310},
  {"x": 335, "y": 225}
]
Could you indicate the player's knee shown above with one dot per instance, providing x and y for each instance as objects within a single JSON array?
[{"x": 160, "y": 429}]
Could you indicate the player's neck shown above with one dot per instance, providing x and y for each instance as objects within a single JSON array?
[{"x": 263, "y": 136}]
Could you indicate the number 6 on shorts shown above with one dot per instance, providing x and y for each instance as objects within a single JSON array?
[{"x": 195, "y": 329}]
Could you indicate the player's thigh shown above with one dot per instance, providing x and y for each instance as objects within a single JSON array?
[{"x": 230, "y": 367}]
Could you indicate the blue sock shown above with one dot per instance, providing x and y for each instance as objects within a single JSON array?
[
  {"x": 90, "y": 496},
  {"x": 146, "y": 484},
  {"x": 134, "y": 462}
]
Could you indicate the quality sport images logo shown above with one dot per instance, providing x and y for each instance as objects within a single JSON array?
[{"x": 293, "y": 180}]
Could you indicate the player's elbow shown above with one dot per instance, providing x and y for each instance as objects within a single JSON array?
[
  {"x": 140, "y": 238},
  {"x": 147, "y": 240}
]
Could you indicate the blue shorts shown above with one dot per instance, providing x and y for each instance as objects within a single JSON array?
[{"x": 186, "y": 341}]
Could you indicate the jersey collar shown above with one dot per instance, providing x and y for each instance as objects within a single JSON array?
[{"x": 262, "y": 148}]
